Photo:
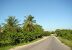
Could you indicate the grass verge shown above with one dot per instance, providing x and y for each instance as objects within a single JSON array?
[
  {"x": 10, "y": 46},
  {"x": 67, "y": 42}
]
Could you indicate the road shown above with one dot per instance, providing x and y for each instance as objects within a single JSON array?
[{"x": 50, "y": 43}]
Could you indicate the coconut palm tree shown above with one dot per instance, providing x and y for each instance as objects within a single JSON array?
[
  {"x": 11, "y": 24},
  {"x": 29, "y": 24},
  {"x": 0, "y": 28}
]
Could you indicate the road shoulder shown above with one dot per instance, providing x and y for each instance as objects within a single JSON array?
[{"x": 29, "y": 44}]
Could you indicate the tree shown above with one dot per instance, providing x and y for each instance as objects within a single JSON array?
[
  {"x": 11, "y": 24},
  {"x": 0, "y": 32},
  {"x": 29, "y": 24},
  {"x": 10, "y": 30},
  {"x": 64, "y": 33},
  {"x": 38, "y": 28},
  {"x": 0, "y": 29},
  {"x": 31, "y": 29}
]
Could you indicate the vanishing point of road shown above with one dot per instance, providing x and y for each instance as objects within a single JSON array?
[{"x": 50, "y": 43}]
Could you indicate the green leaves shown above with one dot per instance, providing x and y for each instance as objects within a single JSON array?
[
  {"x": 67, "y": 34},
  {"x": 11, "y": 24},
  {"x": 13, "y": 33},
  {"x": 29, "y": 24}
]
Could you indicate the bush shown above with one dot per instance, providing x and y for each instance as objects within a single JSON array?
[
  {"x": 67, "y": 34},
  {"x": 46, "y": 33}
]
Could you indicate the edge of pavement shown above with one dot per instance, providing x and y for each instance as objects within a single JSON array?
[
  {"x": 61, "y": 42},
  {"x": 29, "y": 43}
]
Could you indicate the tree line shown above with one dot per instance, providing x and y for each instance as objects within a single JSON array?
[
  {"x": 64, "y": 33},
  {"x": 12, "y": 33}
]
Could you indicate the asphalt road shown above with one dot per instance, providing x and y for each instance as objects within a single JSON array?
[{"x": 51, "y": 43}]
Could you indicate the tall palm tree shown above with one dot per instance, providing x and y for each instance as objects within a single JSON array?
[
  {"x": 11, "y": 24},
  {"x": 29, "y": 24}
]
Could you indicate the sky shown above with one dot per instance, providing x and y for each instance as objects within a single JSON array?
[{"x": 50, "y": 14}]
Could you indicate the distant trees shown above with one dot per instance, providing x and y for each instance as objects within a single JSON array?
[
  {"x": 64, "y": 33},
  {"x": 47, "y": 33}
]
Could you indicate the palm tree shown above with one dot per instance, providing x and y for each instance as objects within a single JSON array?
[
  {"x": 0, "y": 29},
  {"x": 29, "y": 24},
  {"x": 11, "y": 24}
]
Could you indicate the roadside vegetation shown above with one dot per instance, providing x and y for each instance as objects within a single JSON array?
[
  {"x": 65, "y": 36},
  {"x": 12, "y": 33}
]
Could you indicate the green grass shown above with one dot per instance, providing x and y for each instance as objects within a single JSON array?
[
  {"x": 8, "y": 47},
  {"x": 67, "y": 42}
]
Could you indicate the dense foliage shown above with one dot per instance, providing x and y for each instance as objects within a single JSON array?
[
  {"x": 64, "y": 33},
  {"x": 11, "y": 33}
]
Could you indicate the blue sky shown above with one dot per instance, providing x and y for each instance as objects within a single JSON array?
[{"x": 51, "y": 14}]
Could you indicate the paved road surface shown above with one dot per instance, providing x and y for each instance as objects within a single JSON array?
[{"x": 50, "y": 43}]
